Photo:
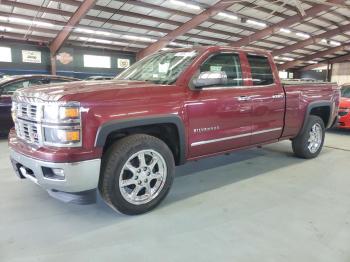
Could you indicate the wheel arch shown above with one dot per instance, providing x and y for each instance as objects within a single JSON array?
[
  {"x": 164, "y": 125},
  {"x": 323, "y": 109}
]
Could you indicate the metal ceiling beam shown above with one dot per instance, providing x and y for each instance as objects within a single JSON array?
[
  {"x": 312, "y": 40},
  {"x": 74, "y": 20},
  {"x": 321, "y": 54},
  {"x": 339, "y": 59},
  {"x": 283, "y": 24}
]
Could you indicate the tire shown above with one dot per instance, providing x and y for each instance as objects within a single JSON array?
[
  {"x": 313, "y": 134},
  {"x": 125, "y": 184}
]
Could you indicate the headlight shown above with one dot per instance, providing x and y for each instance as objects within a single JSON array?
[
  {"x": 56, "y": 113},
  {"x": 62, "y": 124}
]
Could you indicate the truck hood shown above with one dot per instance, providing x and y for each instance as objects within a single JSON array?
[{"x": 80, "y": 89}]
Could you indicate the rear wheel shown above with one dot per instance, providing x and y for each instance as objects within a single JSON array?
[
  {"x": 137, "y": 173},
  {"x": 309, "y": 143}
]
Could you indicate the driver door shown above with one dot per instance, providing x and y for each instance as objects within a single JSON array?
[{"x": 219, "y": 115}]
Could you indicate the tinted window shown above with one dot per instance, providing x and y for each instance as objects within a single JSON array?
[
  {"x": 12, "y": 87},
  {"x": 53, "y": 81},
  {"x": 228, "y": 63},
  {"x": 261, "y": 70},
  {"x": 345, "y": 92}
]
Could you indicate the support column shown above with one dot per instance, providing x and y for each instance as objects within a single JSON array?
[{"x": 53, "y": 64}]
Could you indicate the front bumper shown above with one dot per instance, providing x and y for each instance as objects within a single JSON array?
[{"x": 79, "y": 177}]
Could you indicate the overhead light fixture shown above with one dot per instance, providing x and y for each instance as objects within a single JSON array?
[
  {"x": 27, "y": 21},
  {"x": 312, "y": 62},
  {"x": 3, "y": 18},
  {"x": 284, "y": 30},
  {"x": 302, "y": 35},
  {"x": 101, "y": 41},
  {"x": 276, "y": 57},
  {"x": 138, "y": 38},
  {"x": 184, "y": 4},
  {"x": 336, "y": 43},
  {"x": 253, "y": 22},
  {"x": 287, "y": 58},
  {"x": 92, "y": 32},
  {"x": 179, "y": 44},
  {"x": 226, "y": 15},
  {"x": 3, "y": 28},
  {"x": 330, "y": 42}
]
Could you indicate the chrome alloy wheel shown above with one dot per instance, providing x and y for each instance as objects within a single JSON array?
[
  {"x": 315, "y": 138},
  {"x": 142, "y": 177}
]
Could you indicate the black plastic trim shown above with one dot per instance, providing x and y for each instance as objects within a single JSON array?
[
  {"x": 80, "y": 198},
  {"x": 316, "y": 104},
  {"x": 115, "y": 125}
]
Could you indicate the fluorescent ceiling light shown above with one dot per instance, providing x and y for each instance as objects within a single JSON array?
[
  {"x": 3, "y": 28},
  {"x": 27, "y": 21},
  {"x": 303, "y": 35},
  {"x": 102, "y": 41},
  {"x": 276, "y": 57},
  {"x": 92, "y": 32},
  {"x": 226, "y": 15},
  {"x": 284, "y": 30},
  {"x": 312, "y": 62},
  {"x": 287, "y": 58},
  {"x": 336, "y": 43},
  {"x": 179, "y": 44},
  {"x": 3, "y": 18},
  {"x": 184, "y": 4},
  {"x": 139, "y": 38},
  {"x": 253, "y": 22}
]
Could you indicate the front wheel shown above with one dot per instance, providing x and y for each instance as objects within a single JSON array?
[
  {"x": 137, "y": 173},
  {"x": 309, "y": 143}
]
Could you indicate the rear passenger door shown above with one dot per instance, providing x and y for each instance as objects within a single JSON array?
[
  {"x": 219, "y": 116},
  {"x": 268, "y": 100}
]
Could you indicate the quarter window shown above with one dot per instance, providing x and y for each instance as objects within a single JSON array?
[
  {"x": 261, "y": 70},
  {"x": 228, "y": 64}
]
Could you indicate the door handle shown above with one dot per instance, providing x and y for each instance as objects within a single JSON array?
[
  {"x": 277, "y": 96},
  {"x": 243, "y": 98}
]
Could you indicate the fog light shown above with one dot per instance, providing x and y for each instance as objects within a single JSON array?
[
  {"x": 58, "y": 172},
  {"x": 53, "y": 173}
]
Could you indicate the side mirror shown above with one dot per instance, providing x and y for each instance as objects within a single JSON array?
[{"x": 210, "y": 79}]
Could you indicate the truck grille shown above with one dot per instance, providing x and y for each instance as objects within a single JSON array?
[{"x": 28, "y": 116}]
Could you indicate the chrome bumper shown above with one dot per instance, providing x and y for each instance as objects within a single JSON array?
[{"x": 78, "y": 176}]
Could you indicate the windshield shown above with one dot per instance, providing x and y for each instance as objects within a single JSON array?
[
  {"x": 345, "y": 92},
  {"x": 160, "y": 68}
]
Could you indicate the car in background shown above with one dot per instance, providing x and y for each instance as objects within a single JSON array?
[
  {"x": 96, "y": 78},
  {"x": 10, "y": 84},
  {"x": 344, "y": 108}
]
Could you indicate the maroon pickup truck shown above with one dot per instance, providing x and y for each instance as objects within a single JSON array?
[{"x": 125, "y": 136}]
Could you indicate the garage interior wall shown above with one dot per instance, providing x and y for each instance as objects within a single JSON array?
[
  {"x": 341, "y": 73},
  {"x": 75, "y": 67}
]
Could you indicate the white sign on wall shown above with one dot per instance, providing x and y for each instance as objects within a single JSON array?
[
  {"x": 123, "y": 63},
  {"x": 29, "y": 56},
  {"x": 5, "y": 54}
]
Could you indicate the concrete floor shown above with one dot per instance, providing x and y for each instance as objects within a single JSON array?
[{"x": 254, "y": 205}]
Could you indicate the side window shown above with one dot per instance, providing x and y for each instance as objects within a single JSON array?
[
  {"x": 54, "y": 81},
  {"x": 225, "y": 63},
  {"x": 12, "y": 87},
  {"x": 261, "y": 70},
  {"x": 36, "y": 81}
]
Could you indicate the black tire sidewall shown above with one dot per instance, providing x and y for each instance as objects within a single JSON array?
[
  {"x": 116, "y": 165},
  {"x": 303, "y": 139}
]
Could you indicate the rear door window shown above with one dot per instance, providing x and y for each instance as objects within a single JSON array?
[{"x": 261, "y": 70}]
